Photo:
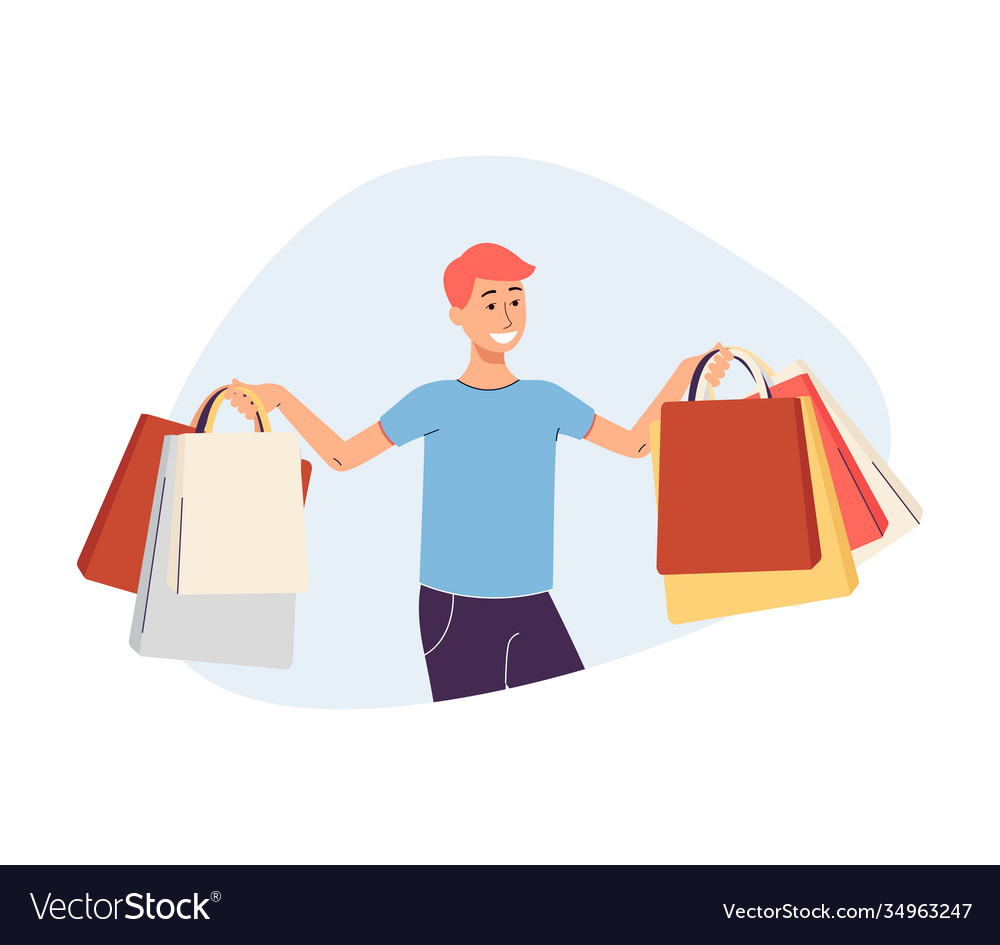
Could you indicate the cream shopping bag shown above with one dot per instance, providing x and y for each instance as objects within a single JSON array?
[{"x": 237, "y": 524}]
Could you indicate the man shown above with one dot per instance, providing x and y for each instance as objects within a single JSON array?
[{"x": 487, "y": 620}]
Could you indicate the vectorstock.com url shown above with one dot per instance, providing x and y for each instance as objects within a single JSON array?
[{"x": 884, "y": 910}]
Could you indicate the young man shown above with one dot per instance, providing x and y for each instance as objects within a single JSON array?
[{"x": 486, "y": 618}]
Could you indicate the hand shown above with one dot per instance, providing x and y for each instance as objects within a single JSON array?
[
  {"x": 264, "y": 396},
  {"x": 677, "y": 386},
  {"x": 717, "y": 367}
]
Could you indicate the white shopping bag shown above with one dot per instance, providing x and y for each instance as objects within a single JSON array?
[
  {"x": 237, "y": 523},
  {"x": 246, "y": 629}
]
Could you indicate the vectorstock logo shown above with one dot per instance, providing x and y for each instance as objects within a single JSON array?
[{"x": 133, "y": 906}]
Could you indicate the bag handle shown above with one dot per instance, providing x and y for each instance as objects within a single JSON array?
[
  {"x": 759, "y": 371},
  {"x": 204, "y": 418}
]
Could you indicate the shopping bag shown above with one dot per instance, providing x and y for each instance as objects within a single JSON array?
[
  {"x": 251, "y": 629},
  {"x": 876, "y": 506},
  {"x": 112, "y": 554},
  {"x": 864, "y": 518},
  {"x": 215, "y": 546},
  {"x": 901, "y": 512},
  {"x": 707, "y": 596},
  {"x": 702, "y": 596},
  {"x": 753, "y": 511}
]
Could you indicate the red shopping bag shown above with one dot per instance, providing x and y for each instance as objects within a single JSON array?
[
  {"x": 735, "y": 490},
  {"x": 863, "y": 517},
  {"x": 113, "y": 551}
]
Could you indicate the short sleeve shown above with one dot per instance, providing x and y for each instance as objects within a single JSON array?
[
  {"x": 417, "y": 414},
  {"x": 572, "y": 416}
]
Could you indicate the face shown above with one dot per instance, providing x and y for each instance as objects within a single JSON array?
[{"x": 494, "y": 316}]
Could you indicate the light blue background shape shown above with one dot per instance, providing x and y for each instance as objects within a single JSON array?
[{"x": 351, "y": 315}]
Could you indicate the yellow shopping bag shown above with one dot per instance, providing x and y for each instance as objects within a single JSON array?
[{"x": 706, "y": 596}]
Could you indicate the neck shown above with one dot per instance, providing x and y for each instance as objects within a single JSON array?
[{"x": 487, "y": 370}]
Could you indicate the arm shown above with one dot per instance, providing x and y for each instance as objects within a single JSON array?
[
  {"x": 336, "y": 452},
  {"x": 635, "y": 442}
]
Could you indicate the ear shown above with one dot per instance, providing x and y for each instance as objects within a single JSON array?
[{"x": 456, "y": 316}]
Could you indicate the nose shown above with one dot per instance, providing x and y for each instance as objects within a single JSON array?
[{"x": 507, "y": 316}]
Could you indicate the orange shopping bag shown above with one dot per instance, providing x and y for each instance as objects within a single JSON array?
[
  {"x": 707, "y": 595},
  {"x": 767, "y": 479}
]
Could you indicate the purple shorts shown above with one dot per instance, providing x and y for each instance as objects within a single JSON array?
[{"x": 482, "y": 644}]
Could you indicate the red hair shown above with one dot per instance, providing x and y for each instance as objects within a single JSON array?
[{"x": 482, "y": 261}]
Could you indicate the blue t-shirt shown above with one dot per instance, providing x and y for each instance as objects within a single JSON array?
[{"x": 489, "y": 481}]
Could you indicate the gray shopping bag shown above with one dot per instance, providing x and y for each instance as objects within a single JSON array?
[{"x": 246, "y": 629}]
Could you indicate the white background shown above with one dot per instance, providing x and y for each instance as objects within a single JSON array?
[{"x": 155, "y": 159}]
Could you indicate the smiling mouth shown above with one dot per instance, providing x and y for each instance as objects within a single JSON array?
[{"x": 503, "y": 337}]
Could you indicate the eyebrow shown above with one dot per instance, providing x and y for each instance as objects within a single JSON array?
[
  {"x": 488, "y": 292},
  {"x": 514, "y": 288}
]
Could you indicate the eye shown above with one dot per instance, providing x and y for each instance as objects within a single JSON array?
[
  {"x": 514, "y": 303},
  {"x": 492, "y": 306}
]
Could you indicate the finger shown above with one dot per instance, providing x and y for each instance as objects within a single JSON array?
[{"x": 724, "y": 351}]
